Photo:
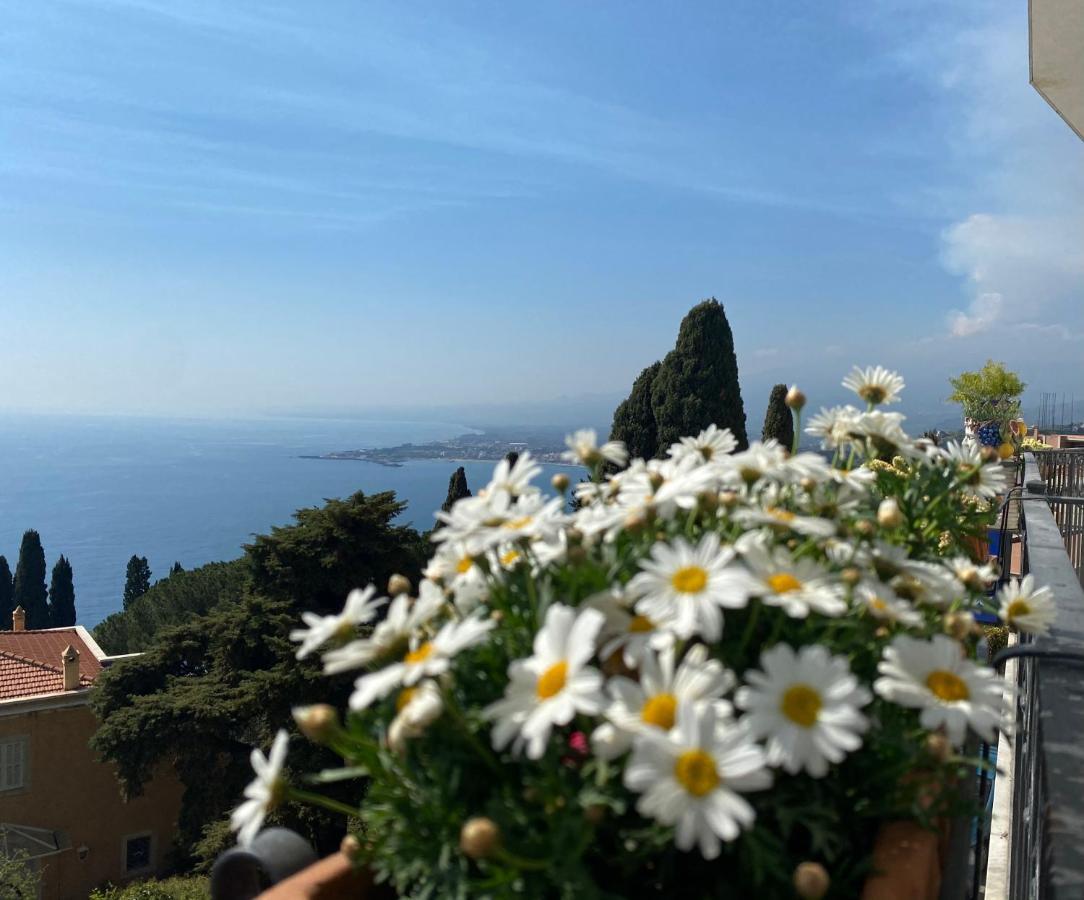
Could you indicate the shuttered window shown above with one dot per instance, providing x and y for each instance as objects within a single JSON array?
[{"x": 12, "y": 763}]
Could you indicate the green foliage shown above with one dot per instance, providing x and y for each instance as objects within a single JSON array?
[
  {"x": 334, "y": 548},
  {"x": 184, "y": 888},
  {"x": 7, "y": 589},
  {"x": 457, "y": 489},
  {"x": 992, "y": 393},
  {"x": 697, "y": 384},
  {"x": 778, "y": 421},
  {"x": 634, "y": 420},
  {"x": 172, "y": 601},
  {"x": 207, "y": 690},
  {"x": 62, "y": 595},
  {"x": 17, "y": 880},
  {"x": 176, "y": 569},
  {"x": 30, "y": 592},
  {"x": 137, "y": 579}
]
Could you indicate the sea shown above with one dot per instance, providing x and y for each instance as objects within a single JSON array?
[{"x": 100, "y": 489}]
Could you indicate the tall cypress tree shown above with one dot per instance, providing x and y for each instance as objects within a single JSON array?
[
  {"x": 30, "y": 592},
  {"x": 7, "y": 588},
  {"x": 137, "y": 579},
  {"x": 634, "y": 420},
  {"x": 778, "y": 422},
  {"x": 62, "y": 595},
  {"x": 697, "y": 383},
  {"x": 457, "y": 489}
]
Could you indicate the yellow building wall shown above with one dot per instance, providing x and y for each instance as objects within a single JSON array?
[{"x": 69, "y": 790}]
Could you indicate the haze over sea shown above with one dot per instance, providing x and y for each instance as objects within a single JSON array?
[{"x": 99, "y": 489}]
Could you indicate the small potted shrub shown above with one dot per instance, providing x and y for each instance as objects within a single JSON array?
[
  {"x": 990, "y": 399},
  {"x": 718, "y": 677}
]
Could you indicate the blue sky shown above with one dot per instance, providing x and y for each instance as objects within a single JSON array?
[{"x": 240, "y": 207}]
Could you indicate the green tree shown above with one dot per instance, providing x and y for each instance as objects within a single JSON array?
[
  {"x": 17, "y": 880},
  {"x": 137, "y": 579},
  {"x": 62, "y": 595},
  {"x": 176, "y": 569},
  {"x": 205, "y": 691},
  {"x": 29, "y": 588},
  {"x": 778, "y": 421},
  {"x": 697, "y": 384},
  {"x": 7, "y": 588},
  {"x": 634, "y": 419},
  {"x": 992, "y": 393},
  {"x": 457, "y": 489}
]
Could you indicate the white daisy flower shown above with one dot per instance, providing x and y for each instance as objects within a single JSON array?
[
  {"x": 885, "y": 431},
  {"x": 779, "y": 519},
  {"x": 417, "y": 709},
  {"x": 480, "y": 523},
  {"x": 423, "y": 659},
  {"x": 551, "y": 686},
  {"x": 875, "y": 384},
  {"x": 584, "y": 450},
  {"x": 513, "y": 479},
  {"x": 978, "y": 478},
  {"x": 653, "y": 701},
  {"x": 881, "y": 602},
  {"x": 266, "y": 791},
  {"x": 834, "y": 426},
  {"x": 972, "y": 576},
  {"x": 797, "y": 585},
  {"x": 914, "y": 579},
  {"x": 711, "y": 444},
  {"x": 1026, "y": 608},
  {"x": 360, "y": 608},
  {"x": 460, "y": 573},
  {"x": 806, "y": 705},
  {"x": 625, "y": 630},
  {"x": 685, "y": 588},
  {"x": 692, "y": 777},
  {"x": 951, "y": 691},
  {"x": 759, "y": 461},
  {"x": 404, "y": 617}
]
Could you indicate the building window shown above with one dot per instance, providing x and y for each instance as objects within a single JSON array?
[
  {"x": 137, "y": 854},
  {"x": 12, "y": 763}
]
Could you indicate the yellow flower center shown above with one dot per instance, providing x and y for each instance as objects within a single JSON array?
[
  {"x": 872, "y": 393},
  {"x": 509, "y": 558},
  {"x": 947, "y": 686},
  {"x": 421, "y": 654},
  {"x": 660, "y": 711},
  {"x": 749, "y": 475},
  {"x": 783, "y": 583},
  {"x": 522, "y": 522},
  {"x": 695, "y": 771},
  {"x": 552, "y": 681},
  {"x": 464, "y": 565},
  {"x": 689, "y": 580},
  {"x": 640, "y": 625},
  {"x": 1017, "y": 609},
  {"x": 707, "y": 452},
  {"x": 405, "y": 696},
  {"x": 801, "y": 704},
  {"x": 780, "y": 515},
  {"x": 877, "y": 604}
]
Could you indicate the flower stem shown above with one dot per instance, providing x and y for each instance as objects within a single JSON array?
[
  {"x": 457, "y": 716},
  {"x": 320, "y": 800},
  {"x": 520, "y": 862}
]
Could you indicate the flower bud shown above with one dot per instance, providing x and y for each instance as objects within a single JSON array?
[
  {"x": 316, "y": 722},
  {"x": 657, "y": 481},
  {"x": 497, "y": 615},
  {"x": 795, "y": 399},
  {"x": 811, "y": 881},
  {"x": 959, "y": 624},
  {"x": 560, "y": 482},
  {"x": 864, "y": 527},
  {"x": 398, "y": 584},
  {"x": 595, "y": 814},
  {"x": 708, "y": 501},
  {"x": 729, "y": 499},
  {"x": 939, "y": 746},
  {"x": 850, "y": 576},
  {"x": 350, "y": 847},
  {"x": 889, "y": 514},
  {"x": 808, "y": 484},
  {"x": 479, "y": 837},
  {"x": 989, "y": 454},
  {"x": 576, "y": 554}
]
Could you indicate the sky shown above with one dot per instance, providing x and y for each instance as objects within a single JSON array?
[{"x": 239, "y": 208}]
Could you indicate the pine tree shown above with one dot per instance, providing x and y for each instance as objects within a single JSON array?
[
  {"x": 177, "y": 569},
  {"x": 697, "y": 384},
  {"x": 137, "y": 579},
  {"x": 634, "y": 420},
  {"x": 7, "y": 588},
  {"x": 62, "y": 595},
  {"x": 29, "y": 592},
  {"x": 778, "y": 421},
  {"x": 457, "y": 489}
]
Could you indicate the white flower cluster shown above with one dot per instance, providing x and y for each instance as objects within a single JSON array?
[{"x": 688, "y": 542}]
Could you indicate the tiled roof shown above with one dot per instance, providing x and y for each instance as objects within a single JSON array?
[{"x": 30, "y": 662}]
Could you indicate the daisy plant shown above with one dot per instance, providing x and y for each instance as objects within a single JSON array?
[{"x": 719, "y": 673}]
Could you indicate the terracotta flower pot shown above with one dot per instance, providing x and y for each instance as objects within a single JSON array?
[{"x": 332, "y": 878}]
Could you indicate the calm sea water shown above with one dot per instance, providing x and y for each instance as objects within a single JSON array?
[{"x": 100, "y": 489}]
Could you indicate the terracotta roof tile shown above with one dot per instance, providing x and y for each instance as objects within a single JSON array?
[{"x": 30, "y": 662}]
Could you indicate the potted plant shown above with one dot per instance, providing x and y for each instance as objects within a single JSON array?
[
  {"x": 990, "y": 399},
  {"x": 719, "y": 676}
]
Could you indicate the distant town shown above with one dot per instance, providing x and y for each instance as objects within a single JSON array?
[{"x": 545, "y": 445}]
